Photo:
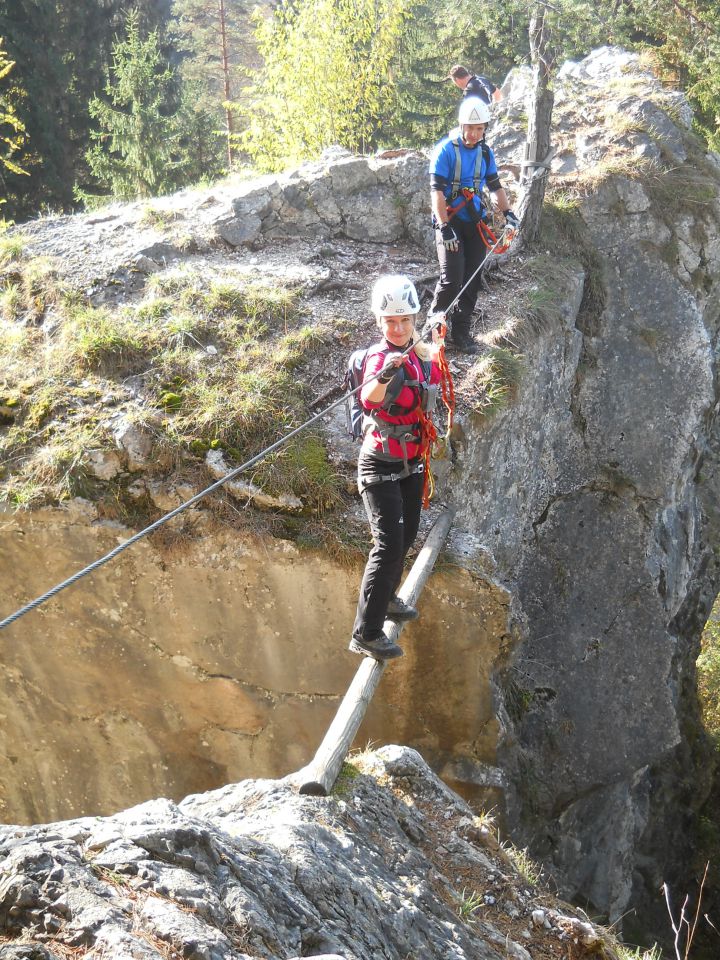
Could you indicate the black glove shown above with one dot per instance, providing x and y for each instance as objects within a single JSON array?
[
  {"x": 511, "y": 219},
  {"x": 449, "y": 237},
  {"x": 387, "y": 373}
]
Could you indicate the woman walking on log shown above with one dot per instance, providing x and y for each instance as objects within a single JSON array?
[{"x": 393, "y": 458}]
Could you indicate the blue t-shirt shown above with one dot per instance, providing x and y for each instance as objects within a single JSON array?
[{"x": 442, "y": 166}]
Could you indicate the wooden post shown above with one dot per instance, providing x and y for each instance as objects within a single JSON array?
[{"x": 318, "y": 777}]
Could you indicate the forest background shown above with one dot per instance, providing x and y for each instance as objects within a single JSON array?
[{"x": 121, "y": 99}]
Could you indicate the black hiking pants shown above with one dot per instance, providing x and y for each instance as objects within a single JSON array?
[
  {"x": 456, "y": 268},
  {"x": 393, "y": 509}
]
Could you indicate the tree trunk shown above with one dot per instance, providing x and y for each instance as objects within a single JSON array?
[
  {"x": 537, "y": 148},
  {"x": 226, "y": 83}
]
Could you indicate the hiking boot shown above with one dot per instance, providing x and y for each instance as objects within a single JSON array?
[
  {"x": 462, "y": 343},
  {"x": 381, "y": 649},
  {"x": 399, "y": 610}
]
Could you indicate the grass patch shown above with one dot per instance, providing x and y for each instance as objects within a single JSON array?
[
  {"x": 528, "y": 869},
  {"x": 564, "y": 232},
  {"x": 679, "y": 190},
  {"x": 54, "y": 471},
  {"x": 343, "y": 786},
  {"x": 638, "y": 953},
  {"x": 157, "y": 217},
  {"x": 303, "y": 466},
  {"x": 171, "y": 283},
  {"x": 12, "y": 249},
  {"x": 470, "y": 902},
  {"x": 95, "y": 338},
  {"x": 618, "y": 165},
  {"x": 31, "y": 289},
  {"x": 213, "y": 365},
  {"x": 493, "y": 381}
]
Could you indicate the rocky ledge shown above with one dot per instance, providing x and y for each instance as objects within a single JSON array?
[{"x": 394, "y": 865}]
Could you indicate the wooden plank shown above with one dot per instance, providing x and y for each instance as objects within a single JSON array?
[{"x": 318, "y": 778}]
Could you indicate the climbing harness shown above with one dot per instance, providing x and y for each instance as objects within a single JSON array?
[
  {"x": 372, "y": 421},
  {"x": 482, "y": 156},
  {"x": 487, "y": 235}
]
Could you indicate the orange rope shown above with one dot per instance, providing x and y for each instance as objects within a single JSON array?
[
  {"x": 428, "y": 434},
  {"x": 492, "y": 242},
  {"x": 447, "y": 387},
  {"x": 428, "y": 430}
]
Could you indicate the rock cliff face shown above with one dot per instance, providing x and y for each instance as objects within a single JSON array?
[
  {"x": 599, "y": 502},
  {"x": 552, "y": 671}
]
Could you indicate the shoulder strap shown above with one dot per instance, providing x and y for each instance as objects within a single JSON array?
[
  {"x": 458, "y": 167},
  {"x": 482, "y": 154}
]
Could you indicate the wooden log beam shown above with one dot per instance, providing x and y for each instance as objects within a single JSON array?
[{"x": 318, "y": 778}]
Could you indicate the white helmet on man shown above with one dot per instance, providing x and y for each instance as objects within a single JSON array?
[
  {"x": 394, "y": 295},
  {"x": 473, "y": 110}
]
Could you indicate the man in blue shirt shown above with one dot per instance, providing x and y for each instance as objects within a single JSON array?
[{"x": 460, "y": 167}]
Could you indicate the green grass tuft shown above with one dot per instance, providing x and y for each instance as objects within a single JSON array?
[
  {"x": 495, "y": 380},
  {"x": 12, "y": 249}
]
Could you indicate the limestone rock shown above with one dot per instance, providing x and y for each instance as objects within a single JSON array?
[
  {"x": 593, "y": 508},
  {"x": 103, "y": 464},
  {"x": 243, "y": 872},
  {"x": 217, "y": 466},
  {"x": 135, "y": 441}
]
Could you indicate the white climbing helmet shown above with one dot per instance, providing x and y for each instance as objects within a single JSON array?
[
  {"x": 394, "y": 295},
  {"x": 473, "y": 110}
]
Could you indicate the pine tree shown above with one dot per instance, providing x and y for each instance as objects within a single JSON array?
[
  {"x": 135, "y": 151},
  {"x": 216, "y": 43}
]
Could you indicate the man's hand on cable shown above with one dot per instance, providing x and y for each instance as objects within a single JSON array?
[
  {"x": 449, "y": 238},
  {"x": 511, "y": 219}
]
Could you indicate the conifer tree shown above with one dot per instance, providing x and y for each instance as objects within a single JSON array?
[
  {"x": 134, "y": 153},
  {"x": 217, "y": 47}
]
